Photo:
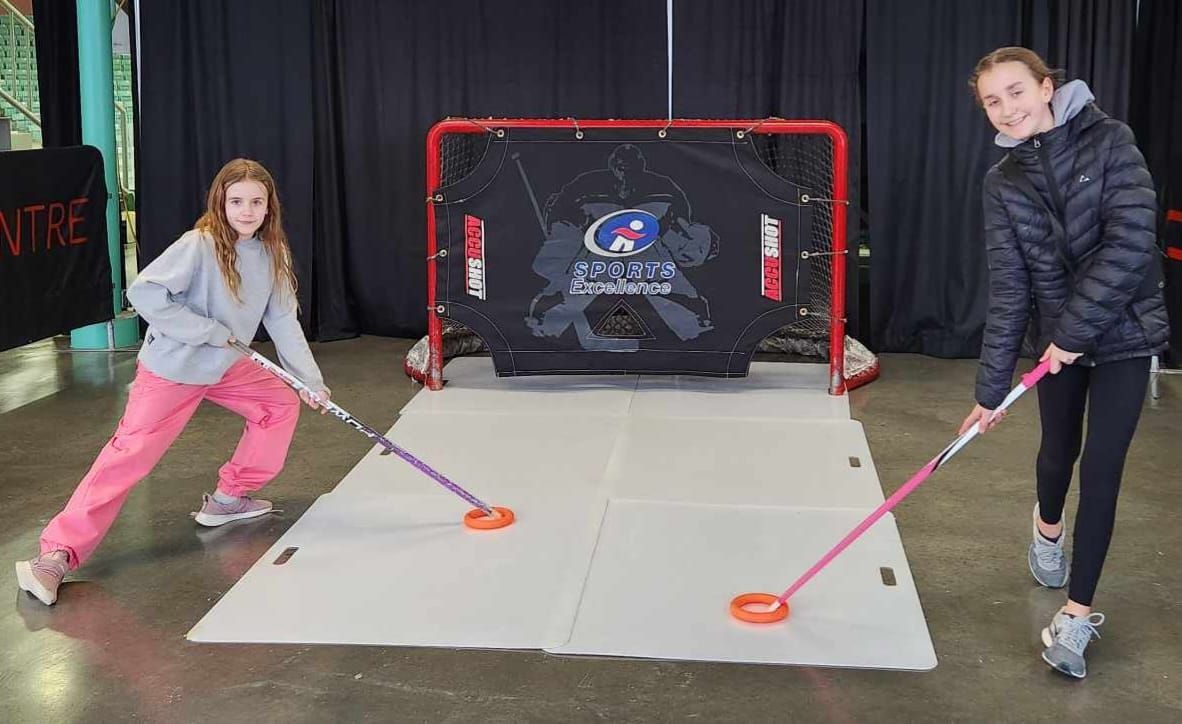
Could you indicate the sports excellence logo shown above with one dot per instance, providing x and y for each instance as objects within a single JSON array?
[
  {"x": 474, "y": 253},
  {"x": 622, "y": 233},
  {"x": 770, "y": 229}
]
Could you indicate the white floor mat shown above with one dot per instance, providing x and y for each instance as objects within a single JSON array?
[
  {"x": 503, "y": 458},
  {"x": 500, "y": 459},
  {"x": 775, "y": 390},
  {"x": 687, "y": 464},
  {"x": 663, "y": 576},
  {"x": 472, "y": 387},
  {"x": 403, "y": 571},
  {"x": 778, "y": 390},
  {"x": 804, "y": 463}
]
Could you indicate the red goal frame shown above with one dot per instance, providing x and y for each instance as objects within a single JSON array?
[{"x": 838, "y": 195}]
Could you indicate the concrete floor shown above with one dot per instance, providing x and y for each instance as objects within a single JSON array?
[{"x": 113, "y": 647}]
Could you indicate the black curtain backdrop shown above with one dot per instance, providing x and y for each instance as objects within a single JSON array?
[
  {"x": 929, "y": 146},
  {"x": 1089, "y": 39},
  {"x": 336, "y": 98},
  {"x": 382, "y": 73},
  {"x": 1156, "y": 117},
  {"x": 56, "y": 35},
  {"x": 224, "y": 79},
  {"x": 794, "y": 59},
  {"x": 386, "y": 72}
]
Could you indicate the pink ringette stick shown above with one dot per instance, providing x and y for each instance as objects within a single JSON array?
[{"x": 1029, "y": 380}]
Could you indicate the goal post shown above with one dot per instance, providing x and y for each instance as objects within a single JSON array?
[{"x": 636, "y": 246}]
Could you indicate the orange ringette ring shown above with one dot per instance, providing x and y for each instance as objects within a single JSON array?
[
  {"x": 477, "y": 519},
  {"x": 739, "y": 611}
]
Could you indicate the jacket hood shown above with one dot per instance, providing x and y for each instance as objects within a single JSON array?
[{"x": 1067, "y": 102}]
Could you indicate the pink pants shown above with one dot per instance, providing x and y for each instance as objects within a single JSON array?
[{"x": 157, "y": 410}]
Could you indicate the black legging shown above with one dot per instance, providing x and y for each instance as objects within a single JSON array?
[{"x": 1114, "y": 393}]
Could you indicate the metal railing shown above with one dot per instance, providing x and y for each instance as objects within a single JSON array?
[
  {"x": 124, "y": 167},
  {"x": 24, "y": 106},
  {"x": 12, "y": 101}
]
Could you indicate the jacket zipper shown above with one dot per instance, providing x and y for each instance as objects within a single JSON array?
[
  {"x": 1052, "y": 184},
  {"x": 1057, "y": 199}
]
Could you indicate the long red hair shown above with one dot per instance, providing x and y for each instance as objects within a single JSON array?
[{"x": 225, "y": 238}]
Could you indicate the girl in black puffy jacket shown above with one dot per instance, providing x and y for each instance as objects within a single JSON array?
[{"x": 1070, "y": 218}]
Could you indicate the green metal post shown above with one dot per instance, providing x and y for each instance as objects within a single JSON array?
[{"x": 97, "y": 87}]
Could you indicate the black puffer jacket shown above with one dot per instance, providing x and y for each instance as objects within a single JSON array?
[{"x": 1100, "y": 292}]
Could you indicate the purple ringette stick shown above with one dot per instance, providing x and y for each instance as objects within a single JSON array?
[{"x": 341, "y": 414}]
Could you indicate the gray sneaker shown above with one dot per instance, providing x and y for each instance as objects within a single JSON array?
[
  {"x": 43, "y": 575},
  {"x": 1047, "y": 562},
  {"x": 1066, "y": 638},
  {"x": 213, "y": 513}
]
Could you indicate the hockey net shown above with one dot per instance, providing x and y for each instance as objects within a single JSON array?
[{"x": 807, "y": 154}]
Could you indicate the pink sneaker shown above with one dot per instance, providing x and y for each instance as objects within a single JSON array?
[
  {"x": 213, "y": 513},
  {"x": 42, "y": 575}
]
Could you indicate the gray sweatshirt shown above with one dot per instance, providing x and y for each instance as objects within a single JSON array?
[{"x": 191, "y": 313}]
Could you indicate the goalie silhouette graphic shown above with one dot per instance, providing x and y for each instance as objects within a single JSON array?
[{"x": 624, "y": 231}]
